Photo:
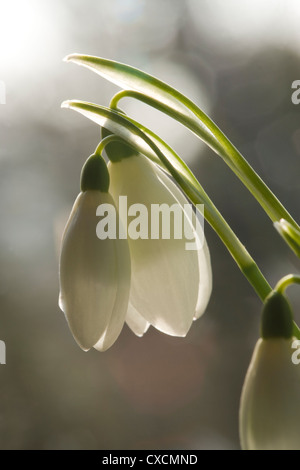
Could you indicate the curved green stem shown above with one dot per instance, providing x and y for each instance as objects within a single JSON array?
[
  {"x": 281, "y": 286},
  {"x": 198, "y": 196},
  {"x": 238, "y": 251},
  {"x": 107, "y": 140},
  {"x": 118, "y": 124},
  {"x": 223, "y": 147},
  {"x": 287, "y": 281}
]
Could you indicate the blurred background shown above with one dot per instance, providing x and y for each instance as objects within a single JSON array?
[{"x": 237, "y": 61}]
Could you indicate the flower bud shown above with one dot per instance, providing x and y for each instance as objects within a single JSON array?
[{"x": 269, "y": 409}]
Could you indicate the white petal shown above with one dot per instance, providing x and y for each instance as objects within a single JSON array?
[
  {"x": 205, "y": 287},
  {"x": 89, "y": 272},
  {"x": 269, "y": 410},
  {"x": 119, "y": 312},
  {"x": 165, "y": 276},
  {"x": 136, "y": 322},
  {"x": 205, "y": 271}
]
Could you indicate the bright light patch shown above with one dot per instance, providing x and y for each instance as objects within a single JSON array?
[
  {"x": 239, "y": 26},
  {"x": 26, "y": 30}
]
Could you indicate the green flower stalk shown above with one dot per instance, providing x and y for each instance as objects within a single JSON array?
[
  {"x": 290, "y": 234},
  {"x": 145, "y": 281}
]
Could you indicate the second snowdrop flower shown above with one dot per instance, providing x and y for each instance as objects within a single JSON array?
[
  {"x": 269, "y": 409},
  {"x": 170, "y": 286}
]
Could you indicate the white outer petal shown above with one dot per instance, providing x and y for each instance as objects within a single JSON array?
[
  {"x": 119, "y": 312},
  {"x": 205, "y": 271},
  {"x": 90, "y": 274},
  {"x": 136, "y": 322},
  {"x": 165, "y": 276},
  {"x": 270, "y": 401}
]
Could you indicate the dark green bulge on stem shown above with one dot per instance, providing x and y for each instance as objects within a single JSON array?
[
  {"x": 277, "y": 317},
  {"x": 94, "y": 175},
  {"x": 116, "y": 151}
]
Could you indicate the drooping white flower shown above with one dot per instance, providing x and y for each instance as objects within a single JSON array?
[
  {"x": 270, "y": 402},
  {"x": 170, "y": 285},
  {"x": 94, "y": 273}
]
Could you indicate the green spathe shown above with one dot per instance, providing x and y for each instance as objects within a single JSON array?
[
  {"x": 277, "y": 317},
  {"x": 94, "y": 175}
]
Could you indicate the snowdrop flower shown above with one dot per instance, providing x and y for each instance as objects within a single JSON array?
[
  {"x": 170, "y": 286},
  {"x": 270, "y": 406},
  {"x": 94, "y": 274}
]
